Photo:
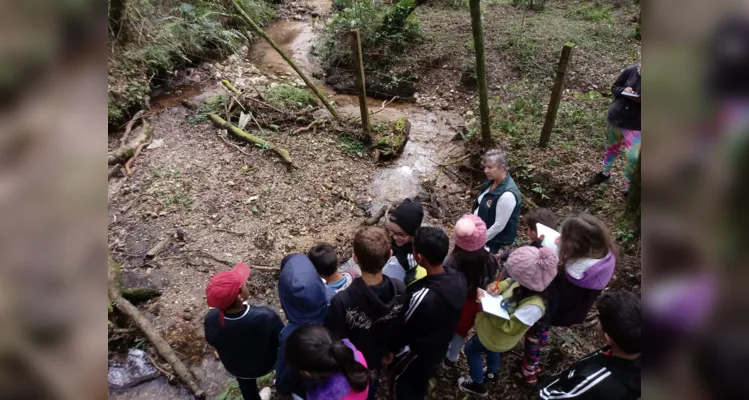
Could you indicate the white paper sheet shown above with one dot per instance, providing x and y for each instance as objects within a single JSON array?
[
  {"x": 493, "y": 305},
  {"x": 550, "y": 236}
]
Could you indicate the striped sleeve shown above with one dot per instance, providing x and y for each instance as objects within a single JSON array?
[
  {"x": 416, "y": 299},
  {"x": 575, "y": 386}
]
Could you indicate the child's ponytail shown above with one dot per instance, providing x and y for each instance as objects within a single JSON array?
[
  {"x": 311, "y": 349},
  {"x": 356, "y": 374}
]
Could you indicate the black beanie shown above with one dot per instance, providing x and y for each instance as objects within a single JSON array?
[{"x": 408, "y": 216}]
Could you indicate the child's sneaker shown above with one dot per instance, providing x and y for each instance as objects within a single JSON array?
[
  {"x": 490, "y": 376},
  {"x": 466, "y": 385},
  {"x": 447, "y": 363}
]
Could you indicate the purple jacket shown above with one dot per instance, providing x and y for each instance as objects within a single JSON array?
[
  {"x": 571, "y": 295},
  {"x": 337, "y": 387}
]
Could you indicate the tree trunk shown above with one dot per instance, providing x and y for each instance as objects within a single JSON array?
[
  {"x": 153, "y": 335},
  {"x": 478, "y": 41},
  {"x": 288, "y": 59}
]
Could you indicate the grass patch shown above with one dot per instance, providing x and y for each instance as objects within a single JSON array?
[
  {"x": 350, "y": 145},
  {"x": 593, "y": 12},
  {"x": 212, "y": 105},
  {"x": 290, "y": 96},
  {"x": 150, "y": 39}
]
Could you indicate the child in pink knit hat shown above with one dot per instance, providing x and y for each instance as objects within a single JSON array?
[{"x": 479, "y": 267}]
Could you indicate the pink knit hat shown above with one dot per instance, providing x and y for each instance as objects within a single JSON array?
[
  {"x": 533, "y": 268},
  {"x": 470, "y": 233}
]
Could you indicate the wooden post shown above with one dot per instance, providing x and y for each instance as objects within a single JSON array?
[
  {"x": 556, "y": 94},
  {"x": 478, "y": 42},
  {"x": 359, "y": 62},
  {"x": 288, "y": 59}
]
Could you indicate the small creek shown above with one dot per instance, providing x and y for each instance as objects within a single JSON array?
[
  {"x": 431, "y": 131},
  {"x": 428, "y": 144}
]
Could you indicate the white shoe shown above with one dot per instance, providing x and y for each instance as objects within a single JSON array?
[{"x": 265, "y": 393}]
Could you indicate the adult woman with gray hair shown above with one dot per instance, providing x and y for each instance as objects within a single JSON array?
[{"x": 498, "y": 203}]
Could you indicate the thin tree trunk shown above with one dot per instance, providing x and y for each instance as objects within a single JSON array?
[
  {"x": 291, "y": 62},
  {"x": 478, "y": 42}
]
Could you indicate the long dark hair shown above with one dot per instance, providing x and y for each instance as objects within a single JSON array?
[
  {"x": 311, "y": 348},
  {"x": 471, "y": 264},
  {"x": 521, "y": 293}
]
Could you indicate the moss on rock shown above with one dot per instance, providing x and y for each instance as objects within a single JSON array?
[{"x": 392, "y": 142}]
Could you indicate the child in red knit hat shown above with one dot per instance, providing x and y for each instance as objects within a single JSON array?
[{"x": 245, "y": 337}]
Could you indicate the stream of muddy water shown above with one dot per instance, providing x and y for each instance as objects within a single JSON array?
[
  {"x": 431, "y": 131},
  {"x": 429, "y": 144}
]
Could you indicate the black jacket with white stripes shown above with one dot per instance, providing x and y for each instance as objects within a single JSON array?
[
  {"x": 434, "y": 306},
  {"x": 597, "y": 376}
]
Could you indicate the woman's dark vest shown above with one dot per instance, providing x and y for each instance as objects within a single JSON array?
[{"x": 489, "y": 205}]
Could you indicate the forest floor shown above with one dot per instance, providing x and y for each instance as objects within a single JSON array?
[{"x": 248, "y": 207}]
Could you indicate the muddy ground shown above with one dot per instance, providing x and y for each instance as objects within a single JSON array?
[{"x": 231, "y": 207}]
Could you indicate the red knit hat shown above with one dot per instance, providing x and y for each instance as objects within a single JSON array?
[{"x": 223, "y": 288}]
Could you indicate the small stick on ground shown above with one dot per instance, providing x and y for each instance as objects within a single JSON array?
[
  {"x": 310, "y": 126},
  {"x": 130, "y": 162},
  {"x": 267, "y": 105},
  {"x": 222, "y": 134},
  {"x": 455, "y": 161},
  {"x": 384, "y": 104},
  {"x": 130, "y": 126},
  {"x": 158, "y": 248},
  {"x": 159, "y": 368}
]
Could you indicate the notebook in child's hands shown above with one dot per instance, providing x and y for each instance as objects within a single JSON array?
[
  {"x": 550, "y": 236},
  {"x": 493, "y": 304}
]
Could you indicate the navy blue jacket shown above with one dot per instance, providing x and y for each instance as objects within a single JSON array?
[{"x": 305, "y": 300}]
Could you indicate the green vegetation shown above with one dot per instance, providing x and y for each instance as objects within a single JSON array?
[
  {"x": 385, "y": 33},
  {"x": 290, "y": 96},
  {"x": 149, "y": 39},
  {"x": 350, "y": 145},
  {"x": 212, "y": 105},
  {"x": 593, "y": 12}
]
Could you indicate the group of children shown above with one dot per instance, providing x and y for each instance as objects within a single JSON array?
[{"x": 406, "y": 306}]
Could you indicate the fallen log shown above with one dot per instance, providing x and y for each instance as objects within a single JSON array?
[
  {"x": 285, "y": 156},
  {"x": 158, "y": 342},
  {"x": 123, "y": 153}
]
